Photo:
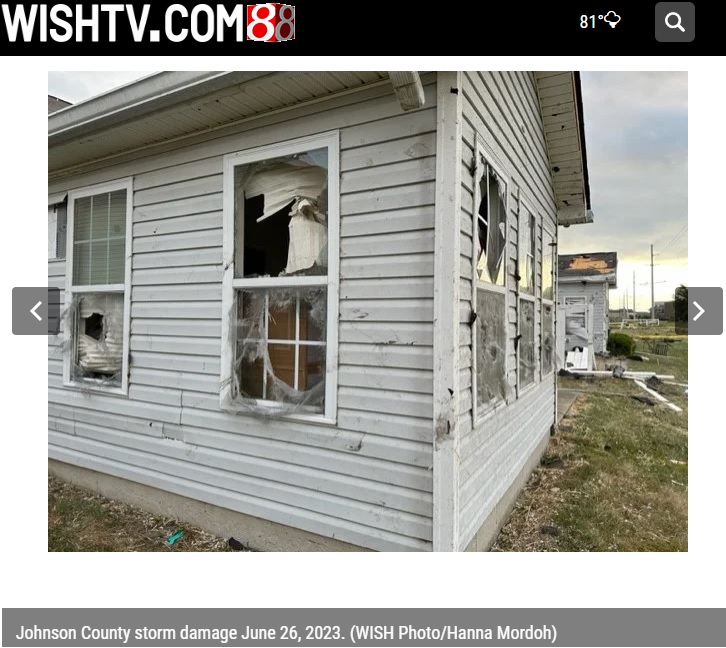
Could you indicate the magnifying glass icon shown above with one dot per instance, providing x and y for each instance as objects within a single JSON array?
[{"x": 676, "y": 24}]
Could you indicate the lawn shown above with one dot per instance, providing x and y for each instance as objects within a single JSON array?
[{"x": 615, "y": 476}]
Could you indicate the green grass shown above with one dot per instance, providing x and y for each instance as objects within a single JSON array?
[
  {"x": 615, "y": 477},
  {"x": 626, "y": 488}
]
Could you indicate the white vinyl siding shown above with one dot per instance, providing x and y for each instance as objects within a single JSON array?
[
  {"x": 366, "y": 479},
  {"x": 502, "y": 109}
]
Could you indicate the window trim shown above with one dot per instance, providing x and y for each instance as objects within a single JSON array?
[
  {"x": 125, "y": 288},
  {"x": 483, "y": 154},
  {"x": 331, "y": 141}
]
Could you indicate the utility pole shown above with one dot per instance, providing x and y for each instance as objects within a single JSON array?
[
  {"x": 633, "y": 292},
  {"x": 652, "y": 286}
]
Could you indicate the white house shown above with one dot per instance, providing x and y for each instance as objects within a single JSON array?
[
  {"x": 583, "y": 287},
  {"x": 312, "y": 310}
]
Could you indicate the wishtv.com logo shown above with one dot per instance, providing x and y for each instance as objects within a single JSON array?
[{"x": 112, "y": 23}]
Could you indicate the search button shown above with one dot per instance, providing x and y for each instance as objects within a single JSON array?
[{"x": 675, "y": 22}]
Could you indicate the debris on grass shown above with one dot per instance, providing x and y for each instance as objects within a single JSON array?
[{"x": 177, "y": 535}]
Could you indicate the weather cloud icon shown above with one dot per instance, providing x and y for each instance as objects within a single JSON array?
[{"x": 611, "y": 18}]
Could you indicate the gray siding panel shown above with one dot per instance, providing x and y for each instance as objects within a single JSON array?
[
  {"x": 367, "y": 479},
  {"x": 502, "y": 109}
]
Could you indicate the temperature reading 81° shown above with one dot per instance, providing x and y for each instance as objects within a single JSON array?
[{"x": 611, "y": 18}]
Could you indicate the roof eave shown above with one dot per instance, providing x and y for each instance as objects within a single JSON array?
[
  {"x": 561, "y": 107},
  {"x": 137, "y": 99}
]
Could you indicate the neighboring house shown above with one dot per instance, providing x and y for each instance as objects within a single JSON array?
[
  {"x": 314, "y": 311},
  {"x": 583, "y": 284}
]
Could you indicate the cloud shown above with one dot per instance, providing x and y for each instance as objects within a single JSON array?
[{"x": 636, "y": 126}]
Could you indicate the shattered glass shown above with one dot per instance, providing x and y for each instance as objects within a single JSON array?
[
  {"x": 280, "y": 350},
  {"x": 526, "y": 342},
  {"x": 548, "y": 254},
  {"x": 526, "y": 252},
  {"x": 548, "y": 338},
  {"x": 491, "y": 347},
  {"x": 96, "y": 343},
  {"x": 281, "y": 209},
  {"x": 491, "y": 228}
]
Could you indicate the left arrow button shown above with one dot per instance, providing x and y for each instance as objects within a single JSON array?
[
  {"x": 36, "y": 310},
  {"x": 32, "y": 310}
]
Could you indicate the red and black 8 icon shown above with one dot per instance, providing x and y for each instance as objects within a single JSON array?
[{"x": 271, "y": 22}]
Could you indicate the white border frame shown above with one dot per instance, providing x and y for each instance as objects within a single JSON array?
[
  {"x": 73, "y": 195},
  {"x": 331, "y": 141},
  {"x": 481, "y": 150}
]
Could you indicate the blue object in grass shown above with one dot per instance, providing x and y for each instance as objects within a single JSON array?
[{"x": 177, "y": 535}]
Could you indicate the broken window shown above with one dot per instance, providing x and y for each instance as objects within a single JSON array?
[
  {"x": 491, "y": 347},
  {"x": 526, "y": 254},
  {"x": 548, "y": 256},
  {"x": 548, "y": 338},
  {"x": 490, "y": 296},
  {"x": 491, "y": 227},
  {"x": 284, "y": 198},
  {"x": 96, "y": 321},
  {"x": 526, "y": 346},
  {"x": 99, "y": 337}
]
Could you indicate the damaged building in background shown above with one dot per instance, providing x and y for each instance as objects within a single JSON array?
[
  {"x": 584, "y": 283},
  {"x": 312, "y": 310}
]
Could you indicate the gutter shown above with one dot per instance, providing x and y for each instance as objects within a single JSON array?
[{"x": 138, "y": 99}]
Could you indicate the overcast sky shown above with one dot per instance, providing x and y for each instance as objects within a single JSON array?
[{"x": 636, "y": 129}]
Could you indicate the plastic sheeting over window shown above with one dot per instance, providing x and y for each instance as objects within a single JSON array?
[
  {"x": 548, "y": 338},
  {"x": 280, "y": 349},
  {"x": 98, "y": 322},
  {"x": 491, "y": 347},
  {"x": 526, "y": 342}
]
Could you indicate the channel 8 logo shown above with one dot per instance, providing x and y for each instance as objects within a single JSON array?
[{"x": 271, "y": 22}]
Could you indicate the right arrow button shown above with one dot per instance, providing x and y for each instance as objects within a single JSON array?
[
  {"x": 705, "y": 311},
  {"x": 700, "y": 311}
]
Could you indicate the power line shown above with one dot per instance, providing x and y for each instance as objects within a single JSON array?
[{"x": 675, "y": 238}]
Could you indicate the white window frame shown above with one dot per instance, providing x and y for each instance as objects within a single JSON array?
[
  {"x": 53, "y": 202},
  {"x": 230, "y": 284},
  {"x": 526, "y": 210},
  {"x": 548, "y": 302},
  {"x": 484, "y": 156},
  {"x": 125, "y": 288}
]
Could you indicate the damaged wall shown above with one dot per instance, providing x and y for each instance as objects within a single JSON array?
[
  {"x": 367, "y": 478},
  {"x": 497, "y": 446}
]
